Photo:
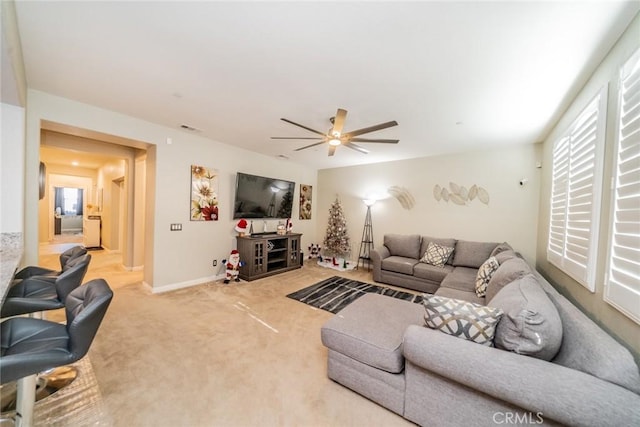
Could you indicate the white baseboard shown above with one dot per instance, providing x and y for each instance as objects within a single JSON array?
[{"x": 181, "y": 285}]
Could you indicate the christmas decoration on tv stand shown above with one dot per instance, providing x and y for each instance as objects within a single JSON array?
[
  {"x": 336, "y": 240},
  {"x": 241, "y": 227}
]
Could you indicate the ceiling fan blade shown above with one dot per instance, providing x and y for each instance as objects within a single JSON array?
[
  {"x": 309, "y": 146},
  {"x": 332, "y": 150},
  {"x": 355, "y": 147},
  {"x": 338, "y": 122},
  {"x": 296, "y": 137},
  {"x": 370, "y": 129},
  {"x": 384, "y": 141},
  {"x": 302, "y": 126}
]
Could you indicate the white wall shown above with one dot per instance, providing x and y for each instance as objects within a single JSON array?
[
  {"x": 202, "y": 241},
  {"x": 109, "y": 172},
  {"x": 511, "y": 214},
  {"x": 173, "y": 258},
  {"x": 593, "y": 304},
  {"x": 140, "y": 214},
  {"x": 12, "y": 184}
]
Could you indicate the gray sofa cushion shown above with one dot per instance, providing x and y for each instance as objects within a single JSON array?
[
  {"x": 370, "y": 330},
  {"x": 531, "y": 324},
  {"x": 458, "y": 294},
  {"x": 451, "y": 243},
  {"x": 399, "y": 264},
  {"x": 403, "y": 245},
  {"x": 505, "y": 255},
  {"x": 501, "y": 248},
  {"x": 431, "y": 272},
  {"x": 472, "y": 254},
  {"x": 461, "y": 278},
  {"x": 587, "y": 348},
  {"x": 510, "y": 270}
]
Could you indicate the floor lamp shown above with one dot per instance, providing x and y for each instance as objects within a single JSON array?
[{"x": 366, "y": 245}]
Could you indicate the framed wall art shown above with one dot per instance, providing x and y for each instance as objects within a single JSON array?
[
  {"x": 204, "y": 194},
  {"x": 305, "y": 201}
]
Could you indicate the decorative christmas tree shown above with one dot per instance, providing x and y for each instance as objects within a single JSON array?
[{"x": 336, "y": 240}]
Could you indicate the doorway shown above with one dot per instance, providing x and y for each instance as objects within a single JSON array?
[
  {"x": 110, "y": 170},
  {"x": 68, "y": 205}
]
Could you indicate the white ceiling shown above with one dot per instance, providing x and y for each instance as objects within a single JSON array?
[
  {"x": 59, "y": 156},
  {"x": 455, "y": 75}
]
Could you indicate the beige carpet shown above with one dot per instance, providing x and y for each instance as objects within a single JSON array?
[{"x": 241, "y": 354}]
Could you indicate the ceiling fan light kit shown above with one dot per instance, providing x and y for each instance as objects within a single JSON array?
[{"x": 334, "y": 137}]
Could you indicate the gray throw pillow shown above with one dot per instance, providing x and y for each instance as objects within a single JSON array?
[
  {"x": 501, "y": 257},
  {"x": 531, "y": 324},
  {"x": 501, "y": 248},
  {"x": 510, "y": 270}
]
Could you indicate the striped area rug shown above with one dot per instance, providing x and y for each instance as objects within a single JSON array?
[{"x": 335, "y": 293}]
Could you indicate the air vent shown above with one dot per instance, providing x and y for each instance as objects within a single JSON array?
[{"x": 189, "y": 128}]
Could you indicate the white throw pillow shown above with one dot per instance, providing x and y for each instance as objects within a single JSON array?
[
  {"x": 436, "y": 254},
  {"x": 485, "y": 272},
  {"x": 461, "y": 319}
]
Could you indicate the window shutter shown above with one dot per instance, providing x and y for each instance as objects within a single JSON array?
[
  {"x": 575, "y": 194},
  {"x": 623, "y": 278},
  {"x": 559, "y": 201}
]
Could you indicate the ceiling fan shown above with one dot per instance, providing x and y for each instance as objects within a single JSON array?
[{"x": 334, "y": 137}]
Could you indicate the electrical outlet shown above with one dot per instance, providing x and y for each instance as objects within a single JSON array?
[
  {"x": 215, "y": 262},
  {"x": 175, "y": 227}
]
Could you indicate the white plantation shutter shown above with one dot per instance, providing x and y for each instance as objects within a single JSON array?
[
  {"x": 575, "y": 194},
  {"x": 559, "y": 200},
  {"x": 623, "y": 275}
]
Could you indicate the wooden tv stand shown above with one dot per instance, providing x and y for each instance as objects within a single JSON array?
[{"x": 268, "y": 254}]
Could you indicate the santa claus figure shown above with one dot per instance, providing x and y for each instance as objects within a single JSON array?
[{"x": 233, "y": 267}]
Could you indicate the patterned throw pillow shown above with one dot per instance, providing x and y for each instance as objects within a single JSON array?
[
  {"x": 485, "y": 272},
  {"x": 437, "y": 254},
  {"x": 461, "y": 319}
]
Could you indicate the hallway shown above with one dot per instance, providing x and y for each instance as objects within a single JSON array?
[{"x": 104, "y": 264}]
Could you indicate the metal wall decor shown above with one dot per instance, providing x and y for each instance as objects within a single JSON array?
[
  {"x": 403, "y": 196},
  {"x": 460, "y": 195}
]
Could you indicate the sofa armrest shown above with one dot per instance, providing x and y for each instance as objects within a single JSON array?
[
  {"x": 377, "y": 255},
  {"x": 562, "y": 394}
]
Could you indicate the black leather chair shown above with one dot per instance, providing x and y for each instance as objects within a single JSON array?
[
  {"x": 39, "y": 293},
  {"x": 65, "y": 258},
  {"x": 29, "y": 345}
]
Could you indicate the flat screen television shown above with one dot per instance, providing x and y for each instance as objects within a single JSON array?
[{"x": 261, "y": 197}]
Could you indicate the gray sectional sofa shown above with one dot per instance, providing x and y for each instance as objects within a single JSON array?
[
  {"x": 397, "y": 263},
  {"x": 550, "y": 364}
]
